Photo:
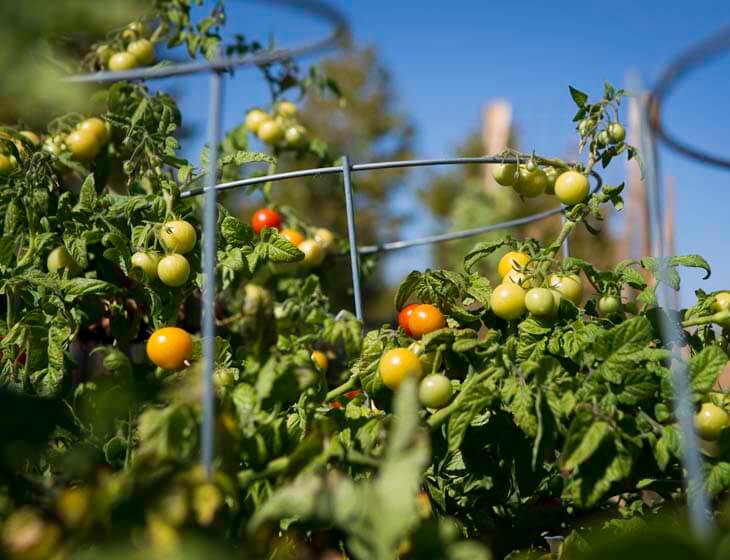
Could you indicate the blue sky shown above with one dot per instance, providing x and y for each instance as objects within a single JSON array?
[{"x": 448, "y": 59}]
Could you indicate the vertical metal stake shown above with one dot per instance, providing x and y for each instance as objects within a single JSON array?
[
  {"x": 566, "y": 243},
  {"x": 352, "y": 236},
  {"x": 209, "y": 258},
  {"x": 697, "y": 501}
]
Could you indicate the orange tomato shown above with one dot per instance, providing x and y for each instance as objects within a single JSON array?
[{"x": 424, "y": 319}]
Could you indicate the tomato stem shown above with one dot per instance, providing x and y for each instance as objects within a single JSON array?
[
  {"x": 719, "y": 317},
  {"x": 342, "y": 389}
]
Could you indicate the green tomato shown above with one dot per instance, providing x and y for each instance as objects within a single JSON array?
[
  {"x": 505, "y": 174},
  {"x": 603, "y": 138},
  {"x": 569, "y": 286},
  {"x": 60, "y": 258},
  {"x": 286, "y": 109},
  {"x": 571, "y": 188},
  {"x": 710, "y": 421},
  {"x": 83, "y": 145},
  {"x": 270, "y": 131},
  {"x": 531, "y": 183},
  {"x": 295, "y": 135},
  {"x": 255, "y": 118},
  {"x": 313, "y": 253},
  {"x": 608, "y": 305},
  {"x": 435, "y": 391},
  {"x": 123, "y": 61},
  {"x": 174, "y": 270},
  {"x": 616, "y": 133},
  {"x": 540, "y": 302},
  {"x": 143, "y": 50},
  {"x": 96, "y": 127},
  {"x": 147, "y": 263},
  {"x": 508, "y": 301},
  {"x": 179, "y": 236},
  {"x": 585, "y": 126}
]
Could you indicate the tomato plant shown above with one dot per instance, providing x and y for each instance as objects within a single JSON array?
[{"x": 490, "y": 431}]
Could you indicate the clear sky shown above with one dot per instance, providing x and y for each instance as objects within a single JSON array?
[{"x": 449, "y": 58}]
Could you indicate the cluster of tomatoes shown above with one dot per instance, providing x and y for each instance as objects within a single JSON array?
[
  {"x": 280, "y": 129},
  {"x": 315, "y": 249},
  {"x": 179, "y": 237},
  {"x": 612, "y": 133},
  {"x": 417, "y": 319},
  {"x": 84, "y": 142},
  {"x": 137, "y": 50},
  {"x": 709, "y": 422},
  {"x": 530, "y": 180},
  {"x": 8, "y": 161}
]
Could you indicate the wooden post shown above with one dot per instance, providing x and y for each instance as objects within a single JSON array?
[{"x": 496, "y": 125}]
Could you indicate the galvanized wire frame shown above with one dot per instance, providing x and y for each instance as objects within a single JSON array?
[{"x": 339, "y": 30}]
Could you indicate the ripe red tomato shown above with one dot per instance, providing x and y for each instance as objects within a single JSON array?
[
  {"x": 169, "y": 348},
  {"x": 424, "y": 319},
  {"x": 265, "y": 217},
  {"x": 397, "y": 364},
  {"x": 404, "y": 315}
]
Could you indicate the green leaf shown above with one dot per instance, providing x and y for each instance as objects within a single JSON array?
[
  {"x": 474, "y": 399},
  {"x": 718, "y": 479},
  {"x": 88, "y": 198},
  {"x": 481, "y": 251},
  {"x": 705, "y": 367},
  {"x": 590, "y": 441},
  {"x": 407, "y": 287},
  {"x": 236, "y": 232},
  {"x": 578, "y": 96}
]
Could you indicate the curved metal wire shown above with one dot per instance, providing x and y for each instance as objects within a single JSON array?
[
  {"x": 691, "y": 59},
  {"x": 340, "y": 29},
  {"x": 402, "y": 244}
]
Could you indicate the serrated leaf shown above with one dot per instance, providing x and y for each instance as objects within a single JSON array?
[
  {"x": 705, "y": 367},
  {"x": 590, "y": 441}
]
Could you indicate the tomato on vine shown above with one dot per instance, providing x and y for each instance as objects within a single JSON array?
[
  {"x": 83, "y": 145},
  {"x": 320, "y": 360},
  {"x": 571, "y": 188},
  {"x": 286, "y": 109},
  {"x": 96, "y": 127},
  {"x": 616, "y": 132},
  {"x": 255, "y": 118},
  {"x": 325, "y": 238},
  {"x": 425, "y": 318},
  {"x": 313, "y": 253},
  {"x": 552, "y": 175},
  {"x": 292, "y": 236},
  {"x": 170, "y": 348},
  {"x": 505, "y": 174},
  {"x": 174, "y": 270},
  {"x": 270, "y": 132},
  {"x": 397, "y": 364},
  {"x": 568, "y": 285},
  {"x": 531, "y": 183},
  {"x": 435, "y": 391},
  {"x": 179, "y": 236},
  {"x": 147, "y": 262},
  {"x": 608, "y": 305},
  {"x": 508, "y": 301},
  {"x": 143, "y": 50},
  {"x": 60, "y": 259},
  {"x": 294, "y": 135},
  {"x": 710, "y": 421},
  {"x": 404, "y": 315},
  {"x": 540, "y": 302},
  {"x": 265, "y": 218},
  {"x": 6, "y": 164},
  {"x": 122, "y": 61},
  {"x": 510, "y": 260}
]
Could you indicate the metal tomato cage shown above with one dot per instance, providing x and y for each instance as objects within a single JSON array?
[{"x": 339, "y": 29}]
